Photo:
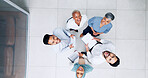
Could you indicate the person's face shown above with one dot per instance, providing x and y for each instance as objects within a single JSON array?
[
  {"x": 53, "y": 40},
  {"x": 80, "y": 72},
  {"x": 110, "y": 57},
  {"x": 77, "y": 17},
  {"x": 105, "y": 21}
]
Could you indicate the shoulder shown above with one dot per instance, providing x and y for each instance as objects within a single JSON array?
[
  {"x": 70, "y": 20},
  {"x": 84, "y": 16},
  {"x": 97, "y": 18},
  {"x": 57, "y": 30},
  {"x": 110, "y": 25}
]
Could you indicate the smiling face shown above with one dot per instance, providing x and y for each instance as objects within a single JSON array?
[
  {"x": 53, "y": 40},
  {"x": 80, "y": 72},
  {"x": 77, "y": 17},
  {"x": 105, "y": 21},
  {"x": 110, "y": 57}
]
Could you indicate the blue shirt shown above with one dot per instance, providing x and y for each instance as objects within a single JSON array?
[
  {"x": 87, "y": 68},
  {"x": 95, "y": 24}
]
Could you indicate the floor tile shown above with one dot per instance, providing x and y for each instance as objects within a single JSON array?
[
  {"x": 72, "y": 4},
  {"x": 64, "y": 72},
  {"x": 146, "y": 73},
  {"x": 131, "y": 53},
  {"x": 146, "y": 54},
  {"x": 42, "y": 21},
  {"x": 62, "y": 58},
  {"x": 41, "y": 72},
  {"x": 146, "y": 5},
  {"x": 43, "y": 3},
  {"x": 40, "y": 54},
  {"x": 101, "y": 4},
  {"x": 131, "y": 4},
  {"x": 101, "y": 73},
  {"x": 146, "y": 24},
  {"x": 125, "y": 73},
  {"x": 130, "y": 25}
]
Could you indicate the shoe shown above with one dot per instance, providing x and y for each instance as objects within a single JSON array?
[{"x": 81, "y": 35}]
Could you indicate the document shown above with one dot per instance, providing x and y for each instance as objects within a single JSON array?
[{"x": 88, "y": 39}]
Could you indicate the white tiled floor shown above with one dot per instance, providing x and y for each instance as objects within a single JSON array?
[
  {"x": 101, "y": 4},
  {"x": 130, "y": 24},
  {"x": 129, "y": 34},
  {"x": 126, "y": 73},
  {"x": 131, "y": 4}
]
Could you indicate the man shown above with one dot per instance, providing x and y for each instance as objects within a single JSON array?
[
  {"x": 62, "y": 38},
  {"x": 102, "y": 52},
  {"x": 76, "y": 21},
  {"x": 99, "y": 25}
]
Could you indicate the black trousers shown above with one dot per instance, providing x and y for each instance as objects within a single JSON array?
[{"x": 88, "y": 30}]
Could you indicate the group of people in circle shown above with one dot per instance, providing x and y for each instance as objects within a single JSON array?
[{"x": 102, "y": 51}]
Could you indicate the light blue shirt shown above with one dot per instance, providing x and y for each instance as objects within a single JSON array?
[
  {"x": 87, "y": 68},
  {"x": 95, "y": 24},
  {"x": 65, "y": 38}
]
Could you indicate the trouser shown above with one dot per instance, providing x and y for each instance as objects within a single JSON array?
[{"x": 88, "y": 30}]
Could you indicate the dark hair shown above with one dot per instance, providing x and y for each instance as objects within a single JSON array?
[
  {"x": 116, "y": 63},
  {"x": 46, "y": 38},
  {"x": 109, "y": 15}
]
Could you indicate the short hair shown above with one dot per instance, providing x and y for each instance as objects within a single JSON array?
[
  {"x": 110, "y": 15},
  {"x": 116, "y": 63},
  {"x": 46, "y": 38},
  {"x": 75, "y": 12}
]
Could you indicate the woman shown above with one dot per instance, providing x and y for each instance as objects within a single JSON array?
[
  {"x": 99, "y": 25},
  {"x": 81, "y": 68}
]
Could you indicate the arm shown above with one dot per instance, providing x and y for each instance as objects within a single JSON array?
[
  {"x": 72, "y": 38},
  {"x": 89, "y": 55},
  {"x": 66, "y": 32},
  {"x": 95, "y": 33},
  {"x": 93, "y": 59},
  {"x": 72, "y": 41},
  {"x": 91, "y": 21},
  {"x": 101, "y": 40},
  {"x": 99, "y": 33},
  {"x": 92, "y": 29},
  {"x": 108, "y": 29},
  {"x": 71, "y": 45},
  {"x": 65, "y": 49}
]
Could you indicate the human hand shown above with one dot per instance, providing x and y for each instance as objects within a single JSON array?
[
  {"x": 71, "y": 46},
  {"x": 80, "y": 54},
  {"x": 95, "y": 33},
  {"x": 72, "y": 36},
  {"x": 86, "y": 46},
  {"x": 97, "y": 39}
]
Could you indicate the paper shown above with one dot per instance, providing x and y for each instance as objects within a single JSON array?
[
  {"x": 88, "y": 39},
  {"x": 73, "y": 56}
]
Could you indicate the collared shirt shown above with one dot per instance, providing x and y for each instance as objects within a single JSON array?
[
  {"x": 95, "y": 24},
  {"x": 96, "y": 57},
  {"x": 72, "y": 25},
  {"x": 65, "y": 38}
]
